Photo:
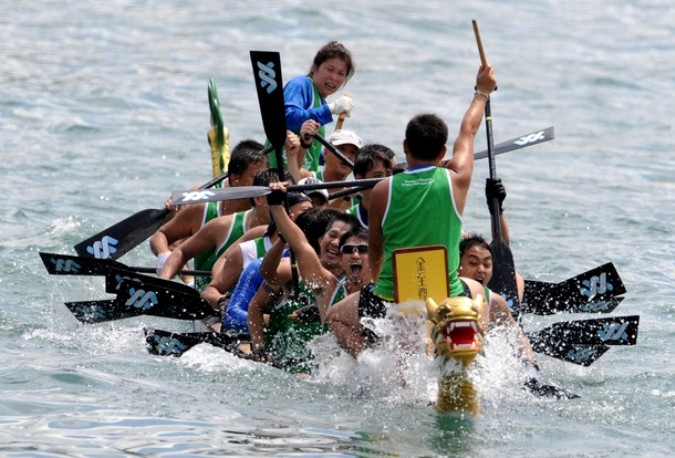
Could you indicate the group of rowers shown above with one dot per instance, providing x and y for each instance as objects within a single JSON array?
[{"x": 290, "y": 266}]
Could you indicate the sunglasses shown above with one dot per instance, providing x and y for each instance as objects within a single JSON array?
[{"x": 349, "y": 249}]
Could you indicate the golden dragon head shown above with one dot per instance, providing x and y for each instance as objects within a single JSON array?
[{"x": 456, "y": 331}]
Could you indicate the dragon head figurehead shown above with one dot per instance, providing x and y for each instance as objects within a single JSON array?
[{"x": 456, "y": 331}]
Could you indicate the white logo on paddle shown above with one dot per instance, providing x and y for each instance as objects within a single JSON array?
[
  {"x": 170, "y": 346},
  {"x": 581, "y": 353},
  {"x": 539, "y": 136},
  {"x": 193, "y": 196},
  {"x": 102, "y": 249},
  {"x": 596, "y": 285},
  {"x": 614, "y": 331},
  {"x": 65, "y": 265},
  {"x": 267, "y": 75},
  {"x": 141, "y": 299}
]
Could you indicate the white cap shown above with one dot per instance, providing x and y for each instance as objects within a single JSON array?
[
  {"x": 314, "y": 180},
  {"x": 345, "y": 137}
]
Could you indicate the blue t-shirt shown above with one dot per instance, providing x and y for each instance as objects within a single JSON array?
[{"x": 236, "y": 316}]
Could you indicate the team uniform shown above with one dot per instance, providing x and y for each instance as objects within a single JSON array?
[
  {"x": 286, "y": 340},
  {"x": 236, "y": 314},
  {"x": 303, "y": 102},
  {"x": 424, "y": 190},
  {"x": 206, "y": 259}
]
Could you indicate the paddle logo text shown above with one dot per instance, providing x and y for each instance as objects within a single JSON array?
[
  {"x": 614, "y": 331},
  {"x": 582, "y": 354},
  {"x": 532, "y": 138},
  {"x": 170, "y": 346},
  {"x": 193, "y": 196},
  {"x": 596, "y": 285},
  {"x": 65, "y": 265},
  {"x": 102, "y": 249},
  {"x": 141, "y": 299},
  {"x": 267, "y": 75}
]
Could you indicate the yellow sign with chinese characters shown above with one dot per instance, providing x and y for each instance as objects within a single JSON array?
[{"x": 420, "y": 272}]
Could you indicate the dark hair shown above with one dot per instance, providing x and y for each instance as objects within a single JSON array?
[
  {"x": 368, "y": 154},
  {"x": 346, "y": 218},
  {"x": 426, "y": 134},
  {"x": 358, "y": 232},
  {"x": 472, "y": 240},
  {"x": 314, "y": 223},
  {"x": 246, "y": 152},
  {"x": 333, "y": 50},
  {"x": 265, "y": 177}
]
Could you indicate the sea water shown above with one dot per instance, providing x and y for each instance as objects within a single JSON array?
[{"x": 104, "y": 111}]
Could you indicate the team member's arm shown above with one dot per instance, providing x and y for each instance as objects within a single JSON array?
[
  {"x": 461, "y": 162},
  {"x": 378, "y": 203}
]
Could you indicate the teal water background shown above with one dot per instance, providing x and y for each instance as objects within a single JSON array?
[{"x": 103, "y": 111}]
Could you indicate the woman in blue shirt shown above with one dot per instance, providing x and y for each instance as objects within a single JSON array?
[{"x": 305, "y": 99}]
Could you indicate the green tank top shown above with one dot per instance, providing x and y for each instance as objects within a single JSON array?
[
  {"x": 286, "y": 339},
  {"x": 421, "y": 211},
  {"x": 487, "y": 296},
  {"x": 313, "y": 154},
  {"x": 260, "y": 248},
  {"x": 206, "y": 259},
  {"x": 211, "y": 211},
  {"x": 340, "y": 292}
]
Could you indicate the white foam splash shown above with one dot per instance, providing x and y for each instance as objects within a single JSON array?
[{"x": 399, "y": 369}]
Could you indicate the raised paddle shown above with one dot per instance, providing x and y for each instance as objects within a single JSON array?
[
  {"x": 503, "y": 279},
  {"x": 532, "y": 138},
  {"x": 186, "y": 197},
  {"x": 244, "y": 192},
  {"x": 269, "y": 85}
]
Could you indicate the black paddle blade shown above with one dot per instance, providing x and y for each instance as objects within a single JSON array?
[
  {"x": 503, "y": 281},
  {"x": 64, "y": 264},
  {"x": 269, "y": 86},
  {"x": 163, "y": 298},
  {"x": 533, "y": 138},
  {"x": 583, "y": 355},
  {"x": 598, "y": 290},
  {"x": 118, "y": 239},
  {"x": 92, "y": 312},
  {"x": 617, "y": 330},
  {"x": 165, "y": 343}
]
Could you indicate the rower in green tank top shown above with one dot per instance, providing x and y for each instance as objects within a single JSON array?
[
  {"x": 286, "y": 339},
  {"x": 422, "y": 206},
  {"x": 246, "y": 161},
  {"x": 206, "y": 259},
  {"x": 421, "y": 190}
]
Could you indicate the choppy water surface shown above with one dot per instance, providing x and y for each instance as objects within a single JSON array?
[{"x": 103, "y": 111}]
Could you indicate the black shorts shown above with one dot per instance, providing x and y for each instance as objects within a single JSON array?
[{"x": 374, "y": 306}]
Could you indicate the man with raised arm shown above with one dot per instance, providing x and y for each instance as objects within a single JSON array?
[{"x": 421, "y": 206}]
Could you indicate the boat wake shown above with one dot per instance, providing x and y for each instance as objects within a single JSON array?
[{"x": 399, "y": 368}]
